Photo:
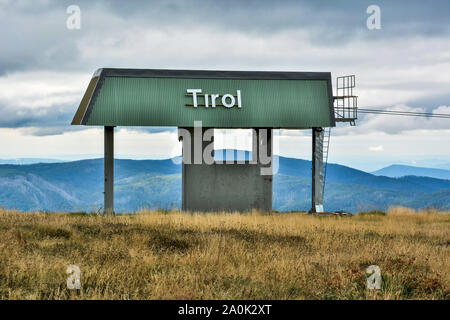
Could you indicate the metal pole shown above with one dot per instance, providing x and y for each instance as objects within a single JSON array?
[
  {"x": 109, "y": 171},
  {"x": 317, "y": 170}
]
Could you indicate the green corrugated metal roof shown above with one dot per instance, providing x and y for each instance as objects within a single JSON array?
[{"x": 126, "y": 97}]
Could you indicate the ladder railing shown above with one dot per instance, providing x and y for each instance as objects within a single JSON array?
[{"x": 345, "y": 103}]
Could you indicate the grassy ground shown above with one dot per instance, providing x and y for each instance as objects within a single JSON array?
[{"x": 161, "y": 255}]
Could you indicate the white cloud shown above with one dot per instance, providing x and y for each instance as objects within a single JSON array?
[
  {"x": 376, "y": 148},
  {"x": 78, "y": 144},
  {"x": 390, "y": 68},
  {"x": 40, "y": 98},
  {"x": 41, "y": 89}
]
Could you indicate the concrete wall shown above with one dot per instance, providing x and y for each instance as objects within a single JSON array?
[
  {"x": 226, "y": 187},
  {"x": 317, "y": 170}
]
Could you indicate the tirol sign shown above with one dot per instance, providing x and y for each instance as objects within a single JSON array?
[
  {"x": 210, "y": 100},
  {"x": 220, "y": 99}
]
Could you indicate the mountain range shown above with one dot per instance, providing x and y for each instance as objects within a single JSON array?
[
  {"x": 29, "y": 160},
  {"x": 397, "y": 170},
  {"x": 78, "y": 186}
]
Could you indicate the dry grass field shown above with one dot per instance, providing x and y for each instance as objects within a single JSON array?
[{"x": 173, "y": 255}]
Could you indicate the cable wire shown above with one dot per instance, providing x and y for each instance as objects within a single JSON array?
[{"x": 400, "y": 113}]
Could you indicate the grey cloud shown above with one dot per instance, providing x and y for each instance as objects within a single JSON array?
[
  {"x": 36, "y": 37},
  {"x": 51, "y": 130},
  {"x": 57, "y": 115},
  {"x": 267, "y": 16},
  {"x": 34, "y": 40}
]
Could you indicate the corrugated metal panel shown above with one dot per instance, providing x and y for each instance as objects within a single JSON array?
[{"x": 144, "y": 101}]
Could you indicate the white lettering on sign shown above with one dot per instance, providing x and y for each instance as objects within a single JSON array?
[
  {"x": 194, "y": 95},
  {"x": 227, "y": 100}
]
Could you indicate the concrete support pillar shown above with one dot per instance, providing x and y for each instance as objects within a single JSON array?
[
  {"x": 109, "y": 171},
  {"x": 193, "y": 146},
  {"x": 317, "y": 170},
  {"x": 266, "y": 142},
  {"x": 266, "y": 164},
  {"x": 264, "y": 149}
]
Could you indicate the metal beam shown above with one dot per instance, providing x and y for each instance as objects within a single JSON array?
[
  {"x": 109, "y": 171},
  {"x": 317, "y": 170}
]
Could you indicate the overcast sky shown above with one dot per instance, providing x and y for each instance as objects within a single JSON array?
[{"x": 405, "y": 65}]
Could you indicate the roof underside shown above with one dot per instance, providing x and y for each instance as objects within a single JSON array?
[{"x": 129, "y": 97}]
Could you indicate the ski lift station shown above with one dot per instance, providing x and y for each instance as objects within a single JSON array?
[{"x": 198, "y": 101}]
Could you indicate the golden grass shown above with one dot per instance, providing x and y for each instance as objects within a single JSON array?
[{"x": 173, "y": 255}]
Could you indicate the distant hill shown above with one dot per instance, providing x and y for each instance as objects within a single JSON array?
[
  {"x": 29, "y": 160},
  {"x": 397, "y": 170},
  {"x": 78, "y": 185}
]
